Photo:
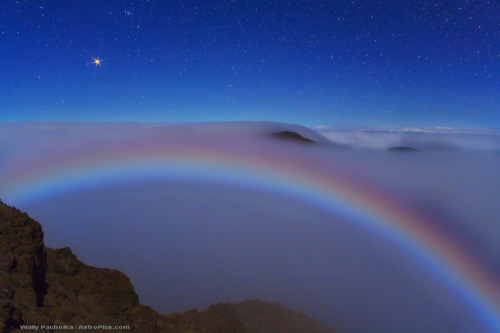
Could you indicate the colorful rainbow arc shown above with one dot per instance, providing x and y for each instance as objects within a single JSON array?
[{"x": 309, "y": 179}]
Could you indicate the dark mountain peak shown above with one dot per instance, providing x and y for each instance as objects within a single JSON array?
[
  {"x": 291, "y": 136},
  {"x": 403, "y": 148}
]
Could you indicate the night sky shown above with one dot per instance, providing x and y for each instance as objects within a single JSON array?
[{"x": 332, "y": 63}]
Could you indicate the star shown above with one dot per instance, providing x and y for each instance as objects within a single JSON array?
[{"x": 97, "y": 61}]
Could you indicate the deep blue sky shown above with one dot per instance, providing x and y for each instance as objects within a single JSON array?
[{"x": 335, "y": 63}]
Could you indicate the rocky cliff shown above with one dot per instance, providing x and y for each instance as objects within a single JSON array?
[{"x": 42, "y": 286}]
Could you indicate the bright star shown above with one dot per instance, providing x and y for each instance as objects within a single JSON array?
[{"x": 97, "y": 61}]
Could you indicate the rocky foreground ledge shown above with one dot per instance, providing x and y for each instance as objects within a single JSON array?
[{"x": 52, "y": 291}]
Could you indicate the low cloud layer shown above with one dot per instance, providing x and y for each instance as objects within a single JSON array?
[
  {"x": 441, "y": 139},
  {"x": 188, "y": 243}
]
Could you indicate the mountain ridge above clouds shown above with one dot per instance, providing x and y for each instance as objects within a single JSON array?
[{"x": 426, "y": 139}]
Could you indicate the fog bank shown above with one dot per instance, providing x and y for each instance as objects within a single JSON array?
[{"x": 188, "y": 241}]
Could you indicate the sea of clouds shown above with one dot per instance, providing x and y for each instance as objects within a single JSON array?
[
  {"x": 429, "y": 139},
  {"x": 188, "y": 243}
]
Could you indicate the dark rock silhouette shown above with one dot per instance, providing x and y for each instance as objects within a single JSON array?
[
  {"x": 43, "y": 286},
  {"x": 291, "y": 136}
]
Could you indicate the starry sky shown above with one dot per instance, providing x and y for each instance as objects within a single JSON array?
[{"x": 332, "y": 63}]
